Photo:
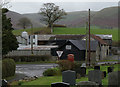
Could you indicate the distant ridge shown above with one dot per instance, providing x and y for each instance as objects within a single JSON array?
[
  {"x": 106, "y": 18},
  {"x": 16, "y": 16}
]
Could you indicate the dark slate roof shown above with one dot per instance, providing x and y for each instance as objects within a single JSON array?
[{"x": 81, "y": 45}]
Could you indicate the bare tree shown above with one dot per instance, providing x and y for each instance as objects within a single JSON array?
[
  {"x": 5, "y": 4},
  {"x": 24, "y": 23},
  {"x": 51, "y": 14}
]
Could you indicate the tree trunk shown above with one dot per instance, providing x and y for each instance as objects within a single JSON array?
[{"x": 51, "y": 28}]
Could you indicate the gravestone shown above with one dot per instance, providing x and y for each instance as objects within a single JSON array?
[
  {"x": 60, "y": 84},
  {"x": 104, "y": 72},
  {"x": 96, "y": 67},
  {"x": 114, "y": 79},
  {"x": 4, "y": 83},
  {"x": 87, "y": 84},
  {"x": 81, "y": 71},
  {"x": 110, "y": 69},
  {"x": 69, "y": 77},
  {"x": 95, "y": 76}
]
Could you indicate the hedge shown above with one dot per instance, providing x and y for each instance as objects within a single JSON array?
[
  {"x": 8, "y": 68},
  {"x": 30, "y": 58}
]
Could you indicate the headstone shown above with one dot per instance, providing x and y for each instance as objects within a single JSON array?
[
  {"x": 60, "y": 84},
  {"x": 69, "y": 77},
  {"x": 95, "y": 76},
  {"x": 114, "y": 79},
  {"x": 81, "y": 71},
  {"x": 104, "y": 72},
  {"x": 110, "y": 69},
  {"x": 4, "y": 83},
  {"x": 87, "y": 84},
  {"x": 96, "y": 67}
]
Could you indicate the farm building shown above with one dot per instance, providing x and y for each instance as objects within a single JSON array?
[
  {"x": 77, "y": 48},
  {"x": 101, "y": 48},
  {"x": 47, "y": 42}
]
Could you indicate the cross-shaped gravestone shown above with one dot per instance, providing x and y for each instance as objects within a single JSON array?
[
  {"x": 69, "y": 77},
  {"x": 95, "y": 76},
  {"x": 60, "y": 84}
]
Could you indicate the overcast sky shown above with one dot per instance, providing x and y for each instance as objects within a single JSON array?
[{"x": 33, "y": 6}]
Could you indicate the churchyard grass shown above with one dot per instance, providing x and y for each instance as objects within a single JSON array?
[{"x": 52, "y": 79}]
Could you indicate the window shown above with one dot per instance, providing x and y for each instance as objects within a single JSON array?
[{"x": 68, "y": 47}]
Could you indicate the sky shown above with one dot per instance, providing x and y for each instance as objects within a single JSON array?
[{"x": 33, "y": 6}]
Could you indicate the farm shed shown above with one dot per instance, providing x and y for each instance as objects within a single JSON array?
[{"x": 76, "y": 47}]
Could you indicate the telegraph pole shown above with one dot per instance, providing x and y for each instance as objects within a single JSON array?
[
  {"x": 31, "y": 39},
  {"x": 86, "y": 41},
  {"x": 89, "y": 40}
]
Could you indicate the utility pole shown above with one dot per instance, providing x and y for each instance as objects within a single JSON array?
[
  {"x": 31, "y": 38},
  {"x": 86, "y": 41},
  {"x": 89, "y": 40}
]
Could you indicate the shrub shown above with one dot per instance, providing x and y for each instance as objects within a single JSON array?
[
  {"x": 66, "y": 65},
  {"x": 8, "y": 68},
  {"x": 52, "y": 72}
]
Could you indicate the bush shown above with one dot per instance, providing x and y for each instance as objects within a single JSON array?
[
  {"x": 30, "y": 58},
  {"x": 8, "y": 68},
  {"x": 65, "y": 65},
  {"x": 52, "y": 72}
]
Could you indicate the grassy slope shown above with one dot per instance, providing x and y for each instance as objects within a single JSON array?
[
  {"x": 18, "y": 32},
  {"x": 114, "y": 32},
  {"x": 52, "y": 79}
]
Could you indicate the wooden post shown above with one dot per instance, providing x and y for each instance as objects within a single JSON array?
[
  {"x": 86, "y": 42},
  {"x": 31, "y": 39},
  {"x": 89, "y": 40}
]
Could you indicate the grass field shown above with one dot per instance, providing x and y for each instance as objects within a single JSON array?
[
  {"x": 94, "y": 30},
  {"x": 114, "y": 32},
  {"x": 30, "y": 31},
  {"x": 52, "y": 79}
]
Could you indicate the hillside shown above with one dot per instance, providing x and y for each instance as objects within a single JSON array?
[
  {"x": 105, "y": 18},
  {"x": 16, "y": 16}
]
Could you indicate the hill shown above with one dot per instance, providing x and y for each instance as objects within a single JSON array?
[
  {"x": 15, "y": 18},
  {"x": 105, "y": 18}
]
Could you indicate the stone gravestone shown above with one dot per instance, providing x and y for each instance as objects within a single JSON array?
[
  {"x": 95, "y": 76},
  {"x": 60, "y": 84},
  {"x": 110, "y": 69},
  {"x": 87, "y": 84},
  {"x": 104, "y": 73},
  {"x": 69, "y": 77},
  {"x": 96, "y": 67},
  {"x": 81, "y": 71},
  {"x": 4, "y": 83},
  {"x": 114, "y": 79}
]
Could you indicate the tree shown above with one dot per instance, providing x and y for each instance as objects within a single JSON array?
[
  {"x": 9, "y": 41},
  {"x": 51, "y": 14},
  {"x": 24, "y": 22},
  {"x": 5, "y": 4}
]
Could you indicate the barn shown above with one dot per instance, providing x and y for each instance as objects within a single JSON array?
[{"x": 76, "y": 47}]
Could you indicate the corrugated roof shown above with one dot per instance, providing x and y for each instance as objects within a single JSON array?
[
  {"x": 98, "y": 39},
  {"x": 80, "y": 44}
]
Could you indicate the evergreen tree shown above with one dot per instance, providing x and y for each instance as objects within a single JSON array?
[{"x": 9, "y": 41}]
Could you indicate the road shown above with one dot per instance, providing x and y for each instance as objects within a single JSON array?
[{"x": 31, "y": 70}]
